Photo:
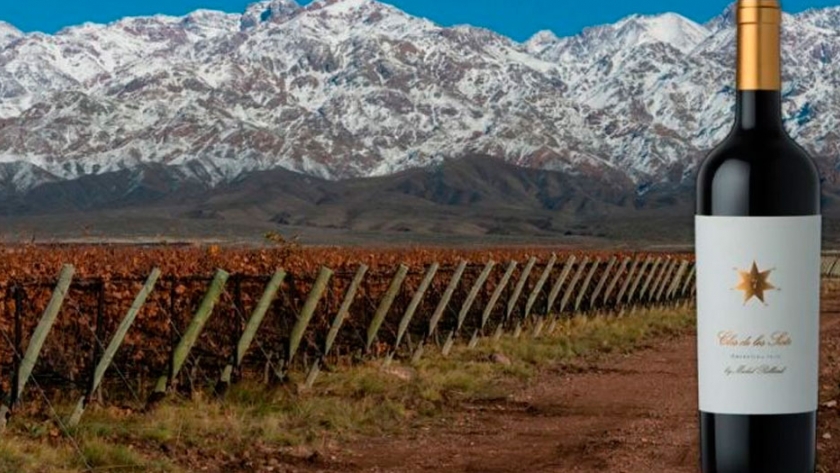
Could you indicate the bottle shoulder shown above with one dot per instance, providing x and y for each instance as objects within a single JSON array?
[
  {"x": 758, "y": 174},
  {"x": 756, "y": 151}
]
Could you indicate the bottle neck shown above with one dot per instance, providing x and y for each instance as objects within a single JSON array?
[
  {"x": 759, "y": 104},
  {"x": 758, "y": 110}
]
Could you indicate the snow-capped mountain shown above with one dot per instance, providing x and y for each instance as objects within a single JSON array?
[
  {"x": 348, "y": 88},
  {"x": 8, "y": 33}
]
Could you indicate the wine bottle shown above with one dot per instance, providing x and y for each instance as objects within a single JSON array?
[{"x": 758, "y": 229}]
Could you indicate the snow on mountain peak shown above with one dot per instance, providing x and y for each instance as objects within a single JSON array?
[
  {"x": 828, "y": 18},
  {"x": 541, "y": 40},
  {"x": 8, "y": 33},
  {"x": 670, "y": 28},
  {"x": 210, "y": 22},
  {"x": 270, "y": 10},
  {"x": 341, "y": 5},
  {"x": 368, "y": 21},
  {"x": 620, "y": 41},
  {"x": 723, "y": 21},
  {"x": 369, "y": 10},
  {"x": 9, "y": 29}
]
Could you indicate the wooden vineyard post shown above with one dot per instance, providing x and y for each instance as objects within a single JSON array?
[
  {"x": 835, "y": 269},
  {"x": 108, "y": 356},
  {"x": 637, "y": 266},
  {"x": 687, "y": 287},
  {"x": 349, "y": 296},
  {"x": 569, "y": 290},
  {"x": 479, "y": 284},
  {"x": 586, "y": 283},
  {"x": 413, "y": 305},
  {"x": 514, "y": 297},
  {"x": 647, "y": 265},
  {"x": 441, "y": 308},
  {"x": 491, "y": 304},
  {"x": 603, "y": 281},
  {"x": 251, "y": 328},
  {"x": 447, "y": 295},
  {"x": 467, "y": 305},
  {"x": 39, "y": 336},
  {"x": 520, "y": 285},
  {"x": 676, "y": 281},
  {"x": 659, "y": 267},
  {"x": 832, "y": 267},
  {"x": 566, "y": 296},
  {"x": 657, "y": 278},
  {"x": 832, "y": 263},
  {"x": 558, "y": 285},
  {"x": 190, "y": 336},
  {"x": 338, "y": 321},
  {"x": 385, "y": 305},
  {"x": 688, "y": 280},
  {"x": 672, "y": 276},
  {"x": 33, "y": 350},
  {"x": 615, "y": 279},
  {"x": 308, "y": 310},
  {"x": 319, "y": 287},
  {"x": 552, "y": 296},
  {"x": 654, "y": 270},
  {"x": 535, "y": 293},
  {"x": 664, "y": 278},
  {"x": 825, "y": 265}
]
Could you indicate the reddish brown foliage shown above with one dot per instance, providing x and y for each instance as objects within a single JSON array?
[
  {"x": 109, "y": 277},
  {"x": 44, "y": 262}
]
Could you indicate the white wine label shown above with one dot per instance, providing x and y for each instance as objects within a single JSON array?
[{"x": 758, "y": 290}]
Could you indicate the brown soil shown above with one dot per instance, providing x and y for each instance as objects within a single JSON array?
[{"x": 629, "y": 413}]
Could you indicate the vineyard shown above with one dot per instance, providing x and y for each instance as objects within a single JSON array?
[{"x": 133, "y": 324}]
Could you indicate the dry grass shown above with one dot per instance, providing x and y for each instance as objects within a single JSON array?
[{"x": 368, "y": 399}]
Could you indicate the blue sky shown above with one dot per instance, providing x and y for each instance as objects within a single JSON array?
[{"x": 518, "y": 19}]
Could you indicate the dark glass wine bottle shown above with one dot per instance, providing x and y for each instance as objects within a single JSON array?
[{"x": 758, "y": 251}]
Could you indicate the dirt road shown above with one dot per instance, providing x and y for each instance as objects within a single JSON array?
[{"x": 631, "y": 413}]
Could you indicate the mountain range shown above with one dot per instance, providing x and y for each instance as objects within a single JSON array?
[{"x": 347, "y": 90}]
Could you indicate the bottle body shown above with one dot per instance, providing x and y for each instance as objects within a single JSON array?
[
  {"x": 762, "y": 181},
  {"x": 758, "y": 253}
]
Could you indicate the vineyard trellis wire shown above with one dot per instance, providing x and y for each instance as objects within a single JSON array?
[{"x": 133, "y": 339}]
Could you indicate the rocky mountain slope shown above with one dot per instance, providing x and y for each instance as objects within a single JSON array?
[{"x": 353, "y": 88}]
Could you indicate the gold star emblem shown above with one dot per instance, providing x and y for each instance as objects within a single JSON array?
[{"x": 754, "y": 283}]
